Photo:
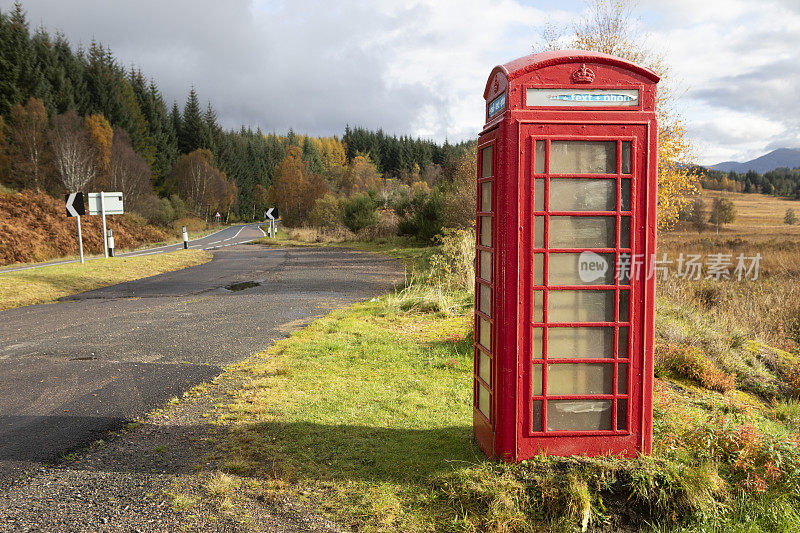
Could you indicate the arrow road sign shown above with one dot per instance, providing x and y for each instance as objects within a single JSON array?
[
  {"x": 75, "y": 206},
  {"x": 272, "y": 213}
]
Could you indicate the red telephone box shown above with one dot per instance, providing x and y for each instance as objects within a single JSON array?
[{"x": 564, "y": 295}]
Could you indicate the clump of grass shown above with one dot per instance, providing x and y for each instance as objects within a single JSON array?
[
  {"x": 183, "y": 502},
  {"x": 220, "y": 484},
  {"x": 689, "y": 362}
]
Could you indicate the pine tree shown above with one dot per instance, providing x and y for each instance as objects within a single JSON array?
[{"x": 192, "y": 134}]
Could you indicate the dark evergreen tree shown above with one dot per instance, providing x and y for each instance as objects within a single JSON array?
[{"x": 192, "y": 134}]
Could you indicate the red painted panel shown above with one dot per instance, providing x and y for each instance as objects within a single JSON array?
[{"x": 510, "y": 431}]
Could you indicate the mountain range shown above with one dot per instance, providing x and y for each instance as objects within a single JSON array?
[{"x": 780, "y": 158}]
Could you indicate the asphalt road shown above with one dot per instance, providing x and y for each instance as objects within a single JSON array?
[
  {"x": 223, "y": 238},
  {"x": 71, "y": 371}
]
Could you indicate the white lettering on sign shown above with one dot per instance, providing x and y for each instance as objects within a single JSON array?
[
  {"x": 581, "y": 97},
  {"x": 497, "y": 105}
]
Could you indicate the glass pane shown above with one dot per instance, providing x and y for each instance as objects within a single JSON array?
[
  {"x": 486, "y": 197},
  {"x": 486, "y": 231},
  {"x": 538, "y": 269},
  {"x": 579, "y": 378},
  {"x": 581, "y": 306},
  {"x": 578, "y": 415},
  {"x": 484, "y": 401},
  {"x": 571, "y": 194},
  {"x": 625, "y": 232},
  {"x": 485, "y": 300},
  {"x": 538, "y": 306},
  {"x": 486, "y": 162},
  {"x": 536, "y": 415},
  {"x": 587, "y": 268},
  {"x": 536, "y": 380},
  {"x": 537, "y": 344},
  {"x": 486, "y": 265},
  {"x": 626, "y": 157},
  {"x": 580, "y": 342},
  {"x": 625, "y": 195},
  {"x": 622, "y": 378},
  {"x": 622, "y": 414},
  {"x": 622, "y": 346},
  {"x": 538, "y": 195},
  {"x": 485, "y": 333},
  {"x": 582, "y": 232},
  {"x": 538, "y": 232},
  {"x": 484, "y": 367},
  {"x": 538, "y": 158},
  {"x": 583, "y": 157},
  {"x": 624, "y": 297}
]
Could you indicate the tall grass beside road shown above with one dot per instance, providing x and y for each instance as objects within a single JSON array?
[{"x": 48, "y": 284}]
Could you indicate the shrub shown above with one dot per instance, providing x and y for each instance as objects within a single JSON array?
[
  {"x": 689, "y": 362},
  {"x": 422, "y": 215},
  {"x": 359, "y": 212},
  {"x": 165, "y": 213},
  {"x": 326, "y": 213},
  {"x": 453, "y": 266}
]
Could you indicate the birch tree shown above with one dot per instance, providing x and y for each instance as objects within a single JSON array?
[{"x": 74, "y": 156}]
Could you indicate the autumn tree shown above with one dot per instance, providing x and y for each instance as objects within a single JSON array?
[
  {"x": 28, "y": 143},
  {"x": 74, "y": 155},
  {"x": 200, "y": 182},
  {"x": 609, "y": 28},
  {"x": 722, "y": 212},
  {"x": 460, "y": 201},
  {"x": 128, "y": 172},
  {"x": 259, "y": 198},
  {"x": 295, "y": 188},
  {"x": 101, "y": 136},
  {"x": 698, "y": 216},
  {"x": 364, "y": 175}
]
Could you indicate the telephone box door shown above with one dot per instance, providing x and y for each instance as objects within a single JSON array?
[{"x": 583, "y": 355}]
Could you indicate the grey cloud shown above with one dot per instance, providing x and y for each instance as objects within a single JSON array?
[{"x": 314, "y": 66}]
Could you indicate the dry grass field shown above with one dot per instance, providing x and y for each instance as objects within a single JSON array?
[{"x": 767, "y": 308}]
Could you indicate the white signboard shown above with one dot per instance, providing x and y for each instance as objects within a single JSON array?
[
  {"x": 582, "y": 97},
  {"x": 112, "y": 203}
]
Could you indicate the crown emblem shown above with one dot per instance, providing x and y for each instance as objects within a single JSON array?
[
  {"x": 495, "y": 85},
  {"x": 583, "y": 75}
]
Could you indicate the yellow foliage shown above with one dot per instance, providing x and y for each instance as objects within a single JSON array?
[
  {"x": 101, "y": 135},
  {"x": 607, "y": 28}
]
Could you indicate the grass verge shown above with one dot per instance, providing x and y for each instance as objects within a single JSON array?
[
  {"x": 365, "y": 417},
  {"x": 47, "y": 284}
]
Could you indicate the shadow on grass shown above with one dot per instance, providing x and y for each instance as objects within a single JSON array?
[{"x": 348, "y": 452}]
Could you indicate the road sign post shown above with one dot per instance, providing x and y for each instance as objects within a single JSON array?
[
  {"x": 272, "y": 214},
  {"x": 103, "y": 213},
  {"x": 75, "y": 208},
  {"x": 105, "y": 203},
  {"x": 80, "y": 238}
]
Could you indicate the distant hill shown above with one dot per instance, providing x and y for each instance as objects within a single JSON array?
[{"x": 780, "y": 158}]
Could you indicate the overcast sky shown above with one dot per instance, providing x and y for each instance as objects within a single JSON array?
[{"x": 419, "y": 67}]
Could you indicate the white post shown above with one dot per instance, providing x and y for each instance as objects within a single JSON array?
[
  {"x": 103, "y": 212},
  {"x": 185, "y": 239},
  {"x": 80, "y": 238},
  {"x": 111, "y": 243}
]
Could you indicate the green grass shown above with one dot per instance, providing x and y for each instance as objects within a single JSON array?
[
  {"x": 49, "y": 283},
  {"x": 365, "y": 417}
]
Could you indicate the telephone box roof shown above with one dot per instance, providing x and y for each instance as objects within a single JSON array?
[{"x": 523, "y": 65}]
